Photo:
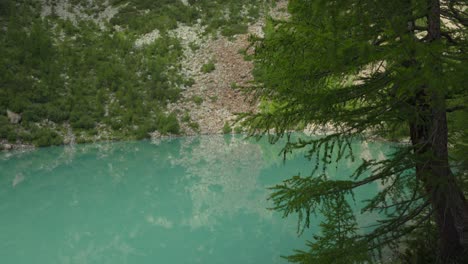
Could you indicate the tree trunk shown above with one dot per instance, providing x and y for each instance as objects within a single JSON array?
[
  {"x": 449, "y": 204},
  {"x": 429, "y": 137}
]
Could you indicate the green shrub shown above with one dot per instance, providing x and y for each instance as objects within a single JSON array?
[
  {"x": 144, "y": 130},
  {"x": 214, "y": 24},
  {"x": 197, "y": 100},
  {"x": 208, "y": 67},
  {"x": 68, "y": 27},
  {"x": 194, "y": 126},
  {"x": 57, "y": 114},
  {"x": 186, "y": 118},
  {"x": 254, "y": 12},
  {"x": 85, "y": 122},
  {"x": 116, "y": 124},
  {"x": 4, "y": 120},
  {"x": 25, "y": 136},
  {"x": 245, "y": 54},
  {"x": 12, "y": 137},
  {"x": 127, "y": 118},
  {"x": 168, "y": 124},
  {"x": 234, "y": 85},
  {"x": 81, "y": 140},
  {"x": 248, "y": 57},
  {"x": 18, "y": 104},
  {"x": 43, "y": 137},
  {"x": 7, "y": 130},
  {"x": 238, "y": 130},
  {"x": 227, "y": 128},
  {"x": 300, "y": 126},
  {"x": 76, "y": 114},
  {"x": 235, "y": 29},
  {"x": 193, "y": 46},
  {"x": 34, "y": 113},
  {"x": 31, "y": 116},
  {"x": 189, "y": 82},
  {"x": 141, "y": 134},
  {"x": 242, "y": 51},
  {"x": 92, "y": 132}
]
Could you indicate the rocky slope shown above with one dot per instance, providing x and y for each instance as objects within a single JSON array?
[{"x": 215, "y": 97}]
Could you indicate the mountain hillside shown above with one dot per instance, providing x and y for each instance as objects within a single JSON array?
[{"x": 79, "y": 71}]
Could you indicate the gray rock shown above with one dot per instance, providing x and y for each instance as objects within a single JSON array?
[
  {"x": 14, "y": 117},
  {"x": 7, "y": 147}
]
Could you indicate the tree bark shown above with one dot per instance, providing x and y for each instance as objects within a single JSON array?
[
  {"x": 429, "y": 137},
  {"x": 448, "y": 202}
]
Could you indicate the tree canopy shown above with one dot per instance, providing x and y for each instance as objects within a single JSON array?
[{"x": 392, "y": 69}]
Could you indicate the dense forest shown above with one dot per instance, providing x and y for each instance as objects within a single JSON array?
[{"x": 87, "y": 75}]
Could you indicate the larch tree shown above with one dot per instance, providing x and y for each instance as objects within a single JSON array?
[{"x": 369, "y": 68}]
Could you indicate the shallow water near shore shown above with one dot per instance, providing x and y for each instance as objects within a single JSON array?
[{"x": 185, "y": 200}]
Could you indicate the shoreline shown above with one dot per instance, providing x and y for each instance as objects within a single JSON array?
[{"x": 6, "y": 146}]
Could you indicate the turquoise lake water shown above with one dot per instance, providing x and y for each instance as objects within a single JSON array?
[{"x": 185, "y": 200}]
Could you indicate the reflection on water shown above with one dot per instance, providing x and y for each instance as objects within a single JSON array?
[
  {"x": 187, "y": 200},
  {"x": 226, "y": 176}
]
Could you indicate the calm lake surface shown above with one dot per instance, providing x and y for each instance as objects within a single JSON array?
[{"x": 185, "y": 200}]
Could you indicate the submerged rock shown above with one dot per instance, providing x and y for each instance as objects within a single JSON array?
[{"x": 17, "y": 180}]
